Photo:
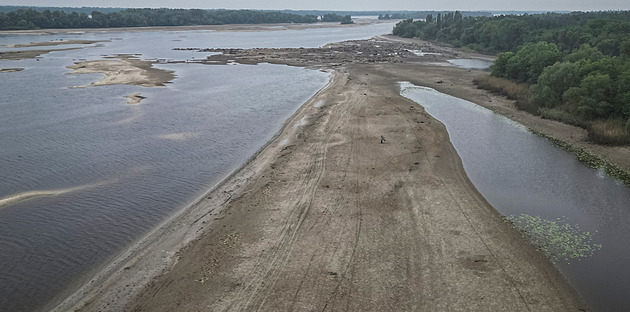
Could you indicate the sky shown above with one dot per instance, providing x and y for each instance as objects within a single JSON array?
[{"x": 349, "y": 5}]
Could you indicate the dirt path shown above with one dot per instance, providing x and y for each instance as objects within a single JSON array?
[{"x": 338, "y": 221}]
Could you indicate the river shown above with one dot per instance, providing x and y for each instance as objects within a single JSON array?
[
  {"x": 534, "y": 183},
  {"x": 93, "y": 174}
]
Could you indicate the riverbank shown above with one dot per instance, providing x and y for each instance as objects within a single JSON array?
[
  {"x": 458, "y": 83},
  {"x": 327, "y": 217},
  {"x": 406, "y": 57}
]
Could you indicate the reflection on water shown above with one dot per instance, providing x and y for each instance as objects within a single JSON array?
[
  {"x": 520, "y": 173},
  {"x": 57, "y": 225},
  {"x": 471, "y": 63}
]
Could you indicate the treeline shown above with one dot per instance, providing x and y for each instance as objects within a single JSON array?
[
  {"x": 86, "y": 10},
  {"x": 332, "y": 17},
  {"x": 570, "y": 67},
  {"x": 32, "y": 19},
  {"x": 424, "y": 14},
  {"x": 393, "y": 16},
  {"x": 507, "y": 32}
]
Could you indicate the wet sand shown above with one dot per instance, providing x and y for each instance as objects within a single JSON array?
[
  {"x": 53, "y": 43},
  {"x": 10, "y": 70},
  {"x": 27, "y": 54},
  {"x": 326, "y": 217},
  {"x": 135, "y": 98}
]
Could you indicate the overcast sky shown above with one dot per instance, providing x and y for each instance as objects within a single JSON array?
[{"x": 354, "y": 5}]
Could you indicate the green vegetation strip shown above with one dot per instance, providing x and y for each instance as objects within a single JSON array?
[
  {"x": 557, "y": 239},
  {"x": 589, "y": 158}
]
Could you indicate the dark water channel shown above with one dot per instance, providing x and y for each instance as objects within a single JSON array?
[{"x": 522, "y": 174}]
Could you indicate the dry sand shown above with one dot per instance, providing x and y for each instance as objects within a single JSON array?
[
  {"x": 327, "y": 218},
  {"x": 124, "y": 69}
]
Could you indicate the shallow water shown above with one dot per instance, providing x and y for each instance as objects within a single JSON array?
[
  {"x": 471, "y": 63},
  {"x": 94, "y": 173},
  {"x": 520, "y": 173}
]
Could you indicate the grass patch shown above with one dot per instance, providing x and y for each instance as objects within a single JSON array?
[
  {"x": 557, "y": 239},
  {"x": 609, "y": 132},
  {"x": 512, "y": 90},
  {"x": 562, "y": 116},
  {"x": 589, "y": 158}
]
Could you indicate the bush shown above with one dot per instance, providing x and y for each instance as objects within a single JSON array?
[{"x": 609, "y": 132}]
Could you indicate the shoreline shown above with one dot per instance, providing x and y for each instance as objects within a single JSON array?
[
  {"x": 207, "y": 267},
  {"x": 158, "y": 250},
  {"x": 123, "y": 69},
  {"x": 309, "y": 173},
  {"x": 150, "y": 267}
]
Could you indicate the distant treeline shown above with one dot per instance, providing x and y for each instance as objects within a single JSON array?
[
  {"x": 33, "y": 19},
  {"x": 424, "y": 14},
  {"x": 87, "y": 10},
  {"x": 332, "y": 17},
  {"x": 571, "y": 67}
]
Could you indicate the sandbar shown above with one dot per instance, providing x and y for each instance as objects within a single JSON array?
[
  {"x": 27, "y": 54},
  {"x": 135, "y": 98},
  {"x": 10, "y": 70},
  {"x": 328, "y": 217},
  {"x": 52, "y": 43},
  {"x": 124, "y": 69}
]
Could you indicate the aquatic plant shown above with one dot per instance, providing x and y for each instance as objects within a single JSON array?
[
  {"x": 557, "y": 239},
  {"x": 589, "y": 158}
]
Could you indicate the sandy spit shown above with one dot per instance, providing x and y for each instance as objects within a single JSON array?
[
  {"x": 125, "y": 69},
  {"x": 10, "y": 70},
  {"x": 326, "y": 217},
  {"x": 53, "y": 43},
  {"x": 26, "y": 54}
]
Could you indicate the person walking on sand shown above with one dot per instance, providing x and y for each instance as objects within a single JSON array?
[{"x": 382, "y": 139}]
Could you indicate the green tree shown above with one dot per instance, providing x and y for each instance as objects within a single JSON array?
[
  {"x": 593, "y": 97},
  {"x": 554, "y": 81},
  {"x": 347, "y": 19}
]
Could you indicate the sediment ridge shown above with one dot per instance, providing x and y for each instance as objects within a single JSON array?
[{"x": 328, "y": 216}]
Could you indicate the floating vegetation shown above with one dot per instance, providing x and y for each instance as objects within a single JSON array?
[
  {"x": 589, "y": 158},
  {"x": 557, "y": 239}
]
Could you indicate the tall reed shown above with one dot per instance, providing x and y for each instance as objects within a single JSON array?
[
  {"x": 609, "y": 132},
  {"x": 512, "y": 90}
]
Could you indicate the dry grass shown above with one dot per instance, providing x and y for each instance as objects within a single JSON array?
[
  {"x": 562, "y": 115},
  {"x": 609, "y": 132},
  {"x": 512, "y": 90}
]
